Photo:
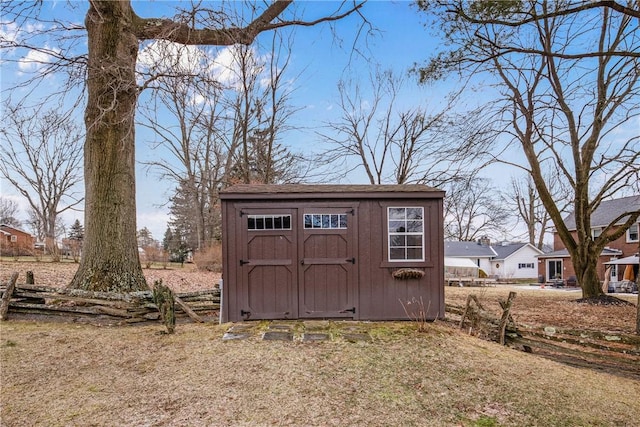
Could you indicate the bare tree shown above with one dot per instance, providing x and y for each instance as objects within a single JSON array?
[
  {"x": 569, "y": 97},
  {"x": 210, "y": 149},
  {"x": 260, "y": 104},
  {"x": 531, "y": 211},
  {"x": 472, "y": 208},
  {"x": 110, "y": 256},
  {"x": 189, "y": 126},
  {"x": 393, "y": 143},
  {"x": 9, "y": 213},
  {"x": 42, "y": 159}
]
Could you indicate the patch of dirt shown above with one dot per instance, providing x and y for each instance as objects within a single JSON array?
[{"x": 603, "y": 300}]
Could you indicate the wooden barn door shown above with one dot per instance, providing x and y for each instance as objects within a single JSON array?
[
  {"x": 327, "y": 272},
  {"x": 268, "y": 264}
]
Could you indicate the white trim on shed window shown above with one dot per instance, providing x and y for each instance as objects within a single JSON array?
[{"x": 405, "y": 228}]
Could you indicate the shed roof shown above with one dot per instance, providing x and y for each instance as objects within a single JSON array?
[{"x": 326, "y": 191}]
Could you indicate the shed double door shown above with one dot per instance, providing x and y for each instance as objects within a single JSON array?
[{"x": 298, "y": 263}]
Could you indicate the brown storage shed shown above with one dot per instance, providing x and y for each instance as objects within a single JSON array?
[{"x": 359, "y": 252}]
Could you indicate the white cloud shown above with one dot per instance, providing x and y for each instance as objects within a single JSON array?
[
  {"x": 165, "y": 56},
  {"x": 156, "y": 221},
  {"x": 9, "y": 32},
  {"x": 36, "y": 59}
]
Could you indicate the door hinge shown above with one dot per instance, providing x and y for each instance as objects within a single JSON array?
[
  {"x": 349, "y": 310},
  {"x": 243, "y": 262},
  {"x": 245, "y": 313},
  {"x": 352, "y": 260}
]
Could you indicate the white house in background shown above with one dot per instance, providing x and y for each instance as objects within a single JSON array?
[
  {"x": 502, "y": 260},
  {"x": 515, "y": 261},
  {"x": 481, "y": 255}
]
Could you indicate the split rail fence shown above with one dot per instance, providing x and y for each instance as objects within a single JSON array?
[
  {"x": 606, "y": 351},
  {"x": 33, "y": 301}
]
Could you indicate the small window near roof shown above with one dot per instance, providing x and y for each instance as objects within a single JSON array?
[
  {"x": 632, "y": 233},
  {"x": 269, "y": 222},
  {"x": 14, "y": 238},
  {"x": 405, "y": 226},
  {"x": 325, "y": 221}
]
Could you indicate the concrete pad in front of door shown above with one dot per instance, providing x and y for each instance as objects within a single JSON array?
[
  {"x": 238, "y": 331},
  {"x": 308, "y": 331}
]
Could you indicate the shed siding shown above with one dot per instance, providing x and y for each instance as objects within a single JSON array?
[{"x": 374, "y": 294}]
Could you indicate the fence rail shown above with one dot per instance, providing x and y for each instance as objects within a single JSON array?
[
  {"x": 607, "y": 351},
  {"x": 33, "y": 301}
]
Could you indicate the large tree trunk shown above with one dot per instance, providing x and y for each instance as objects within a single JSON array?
[
  {"x": 110, "y": 259},
  {"x": 587, "y": 275}
]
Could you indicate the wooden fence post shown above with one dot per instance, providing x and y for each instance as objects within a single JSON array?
[
  {"x": 6, "y": 297},
  {"x": 164, "y": 299},
  {"x": 506, "y": 316}
]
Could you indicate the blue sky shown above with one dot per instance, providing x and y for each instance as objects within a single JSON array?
[{"x": 319, "y": 60}]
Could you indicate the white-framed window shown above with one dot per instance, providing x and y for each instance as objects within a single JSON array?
[
  {"x": 405, "y": 227},
  {"x": 524, "y": 265},
  {"x": 325, "y": 221},
  {"x": 595, "y": 233},
  {"x": 632, "y": 233},
  {"x": 14, "y": 238},
  {"x": 268, "y": 222}
]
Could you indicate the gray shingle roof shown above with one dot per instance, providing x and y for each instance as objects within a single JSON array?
[
  {"x": 563, "y": 253},
  {"x": 468, "y": 250},
  {"x": 504, "y": 251},
  {"x": 607, "y": 212}
]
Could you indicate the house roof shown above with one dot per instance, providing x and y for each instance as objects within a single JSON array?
[
  {"x": 459, "y": 262},
  {"x": 6, "y": 226},
  {"x": 607, "y": 212},
  {"x": 630, "y": 260},
  {"x": 468, "y": 250},
  {"x": 563, "y": 253},
  {"x": 323, "y": 191},
  {"x": 504, "y": 251}
]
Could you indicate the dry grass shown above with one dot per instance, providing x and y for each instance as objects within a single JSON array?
[
  {"x": 82, "y": 375},
  {"x": 63, "y": 374},
  {"x": 551, "y": 307},
  {"x": 177, "y": 277}
]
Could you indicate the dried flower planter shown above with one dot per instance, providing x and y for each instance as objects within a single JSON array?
[{"x": 407, "y": 273}]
